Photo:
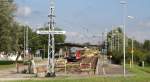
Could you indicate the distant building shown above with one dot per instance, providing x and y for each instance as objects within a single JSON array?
[{"x": 11, "y": 57}]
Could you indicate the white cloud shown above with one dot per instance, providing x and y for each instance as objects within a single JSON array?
[
  {"x": 77, "y": 37},
  {"x": 144, "y": 24},
  {"x": 73, "y": 34},
  {"x": 74, "y": 37},
  {"x": 23, "y": 11}
]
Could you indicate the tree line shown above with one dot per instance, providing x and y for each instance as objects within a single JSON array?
[
  {"x": 12, "y": 33},
  {"x": 115, "y": 48}
]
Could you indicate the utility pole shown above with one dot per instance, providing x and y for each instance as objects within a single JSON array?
[
  {"x": 124, "y": 3},
  {"x": 115, "y": 46},
  {"x": 132, "y": 50},
  {"x": 51, "y": 41},
  {"x": 106, "y": 48},
  {"x": 27, "y": 51},
  {"x": 111, "y": 41},
  {"x": 103, "y": 52},
  {"x": 44, "y": 52},
  {"x": 118, "y": 41},
  {"x": 24, "y": 48}
]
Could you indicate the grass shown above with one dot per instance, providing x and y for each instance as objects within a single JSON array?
[
  {"x": 95, "y": 79},
  {"x": 141, "y": 75},
  {"x": 2, "y": 67},
  {"x": 139, "y": 71}
]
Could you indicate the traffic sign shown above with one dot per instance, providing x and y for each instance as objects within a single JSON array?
[{"x": 51, "y": 32}]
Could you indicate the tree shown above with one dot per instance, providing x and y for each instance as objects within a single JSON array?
[
  {"x": 37, "y": 41},
  {"x": 141, "y": 51},
  {"x": 117, "y": 57},
  {"x": 10, "y": 30},
  {"x": 7, "y": 9},
  {"x": 146, "y": 44}
]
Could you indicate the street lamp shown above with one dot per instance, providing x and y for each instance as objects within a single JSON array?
[
  {"x": 124, "y": 3},
  {"x": 131, "y": 17},
  {"x": 132, "y": 50}
]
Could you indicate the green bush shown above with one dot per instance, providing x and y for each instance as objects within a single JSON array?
[
  {"x": 147, "y": 59},
  {"x": 8, "y": 62},
  {"x": 117, "y": 57}
]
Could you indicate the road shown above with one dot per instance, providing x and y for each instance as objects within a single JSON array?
[{"x": 104, "y": 67}]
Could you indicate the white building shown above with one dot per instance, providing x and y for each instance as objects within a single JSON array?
[{"x": 11, "y": 57}]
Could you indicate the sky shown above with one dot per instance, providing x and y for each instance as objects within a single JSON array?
[{"x": 83, "y": 19}]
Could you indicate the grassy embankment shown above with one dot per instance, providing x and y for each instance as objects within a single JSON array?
[
  {"x": 4, "y": 67},
  {"x": 140, "y": 75}
]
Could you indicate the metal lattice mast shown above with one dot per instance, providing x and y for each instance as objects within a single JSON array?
[{"x": 51, "y": 40}]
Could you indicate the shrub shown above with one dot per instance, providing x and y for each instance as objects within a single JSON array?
[{"x": 8, "y": 62}]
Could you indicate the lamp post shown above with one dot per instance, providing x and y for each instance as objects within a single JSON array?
[
  {"x": 124, "y": 3},
  {"x": 132, "y": 51},
  {"x": 131, "y": 17}
]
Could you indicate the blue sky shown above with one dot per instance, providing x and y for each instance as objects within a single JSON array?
[{"x": 84, "y": 18}]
